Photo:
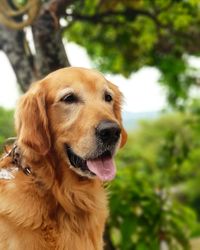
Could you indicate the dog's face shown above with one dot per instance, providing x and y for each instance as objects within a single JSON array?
[{"x": 76, "y": 113}]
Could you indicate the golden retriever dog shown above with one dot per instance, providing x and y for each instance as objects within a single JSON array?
[{"x": 52, "y": 196}]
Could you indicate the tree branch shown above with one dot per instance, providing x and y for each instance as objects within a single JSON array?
[
  {"x": 9, "y": 11},
  {"x": 128, "y": 13}
]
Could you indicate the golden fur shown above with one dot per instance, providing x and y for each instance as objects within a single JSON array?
[{"x": 55, "y": 207}]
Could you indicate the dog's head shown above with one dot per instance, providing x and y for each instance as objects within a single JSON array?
[{"x": 75, "y": 113}]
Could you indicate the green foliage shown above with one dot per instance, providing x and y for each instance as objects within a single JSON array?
[
  {"x": 6, "y": 125},
  {"x": 155, "y": 197},
  {"x": 123, "y": 36}
]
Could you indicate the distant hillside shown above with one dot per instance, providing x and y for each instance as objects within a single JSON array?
[{"x": 131, "y": 119}]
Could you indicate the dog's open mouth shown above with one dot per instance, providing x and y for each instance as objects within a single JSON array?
[{"x": 102, "y": 166}]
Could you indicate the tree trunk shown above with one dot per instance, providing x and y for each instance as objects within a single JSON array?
[
  {"x": 49, "y": 52},
  {"x": 15, "y": 46},
  {"x": 107, "y": 240}
]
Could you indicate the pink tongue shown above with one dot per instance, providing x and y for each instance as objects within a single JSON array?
[{"x": 103, "y": 168}]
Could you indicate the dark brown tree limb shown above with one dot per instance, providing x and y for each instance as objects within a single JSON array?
[
  {"x": 59, "y": 6},
  {"x": 108, "y": 243}
]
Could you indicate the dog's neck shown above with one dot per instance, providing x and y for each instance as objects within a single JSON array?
[{"x": 73, "y": 192}]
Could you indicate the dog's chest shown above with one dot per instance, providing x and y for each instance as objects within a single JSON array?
[
  {"x": 77, "y": 233},
  {"x": 49, "y": 237},
  {"x": 36, "y": 222}
]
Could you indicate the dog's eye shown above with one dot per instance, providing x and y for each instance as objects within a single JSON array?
[
  {"x": 70, "y": 98},
  {"x": 108, "y": 97}
]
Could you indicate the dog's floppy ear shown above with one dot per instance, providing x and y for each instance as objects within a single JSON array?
[
  {"x": 32, "y": 123},
  {"x": 117, "y": 111}
]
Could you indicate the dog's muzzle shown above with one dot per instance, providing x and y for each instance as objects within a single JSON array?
[{"x": 99, "y": 162}]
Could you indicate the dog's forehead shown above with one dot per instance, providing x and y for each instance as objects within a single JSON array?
[
  {"x": 73, "y": 75},
  {"x": 77, "y": 79}
]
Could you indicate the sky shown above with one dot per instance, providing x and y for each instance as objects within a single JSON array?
[{"x": 142, "y": 92}]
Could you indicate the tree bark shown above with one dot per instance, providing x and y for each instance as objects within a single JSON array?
[
  {"x": 50, "y": 51},
  {"x": 15, "y": 46},
  {"x": 107, "y": 240}
]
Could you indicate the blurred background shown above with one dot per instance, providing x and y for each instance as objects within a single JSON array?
[{"x": 151, "y": 50}]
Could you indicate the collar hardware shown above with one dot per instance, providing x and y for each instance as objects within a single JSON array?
[{"x": 16, "y": 157}]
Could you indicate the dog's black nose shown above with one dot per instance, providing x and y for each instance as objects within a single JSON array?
[{"x": 108, "y": 132}]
